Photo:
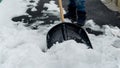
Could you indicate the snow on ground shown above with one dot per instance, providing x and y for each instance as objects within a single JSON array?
[{"x": 21, "y": 47}]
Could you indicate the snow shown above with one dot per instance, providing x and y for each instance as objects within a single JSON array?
[
  {"x": 52, "y": 8},
  {"x": 22, "y": 47}
]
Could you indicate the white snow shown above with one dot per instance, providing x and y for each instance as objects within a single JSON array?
[
  {"x": 21, "y": 47},
  {"x": 52, "y": 8}
]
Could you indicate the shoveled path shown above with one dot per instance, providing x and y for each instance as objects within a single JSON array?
[{"x": 95, "y": 9}]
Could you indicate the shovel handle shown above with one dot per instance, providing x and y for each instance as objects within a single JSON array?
[{"x": 61, "y": 10}]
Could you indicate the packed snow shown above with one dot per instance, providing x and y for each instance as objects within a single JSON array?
[{"x": 22, "y": 47}]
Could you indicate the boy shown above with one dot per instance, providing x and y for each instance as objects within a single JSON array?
[{"x": 76, "y": 11}]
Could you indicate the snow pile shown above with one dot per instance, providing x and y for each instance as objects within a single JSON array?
[
  {"x": 21, "y": 47},
  {"x": 52, "y": 8}
]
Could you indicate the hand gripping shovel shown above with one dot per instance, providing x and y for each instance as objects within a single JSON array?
[{"x": 66, "y": 31}]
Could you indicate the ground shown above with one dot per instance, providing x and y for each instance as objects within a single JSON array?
[{"x": 96, "y": 10}]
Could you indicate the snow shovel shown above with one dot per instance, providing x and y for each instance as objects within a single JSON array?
[{"x": 67, "y": 31}]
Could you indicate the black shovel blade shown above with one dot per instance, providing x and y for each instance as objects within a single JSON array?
[{"x": 67, "y": 31}]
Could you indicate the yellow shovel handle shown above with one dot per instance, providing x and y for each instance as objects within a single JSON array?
[{"x": 61, "y": 10}]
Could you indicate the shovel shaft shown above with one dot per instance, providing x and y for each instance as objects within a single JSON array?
[{"x": 61, "y": 10}]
